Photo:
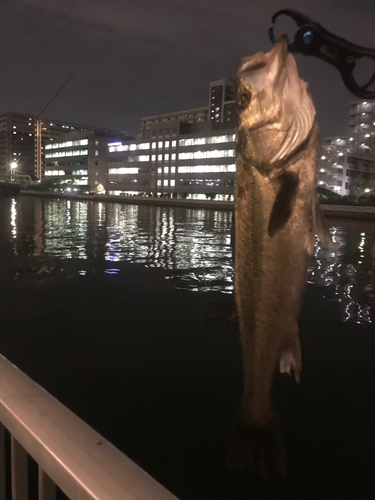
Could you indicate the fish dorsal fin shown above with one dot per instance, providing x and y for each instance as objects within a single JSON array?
[{"x": 284, "y": 201}]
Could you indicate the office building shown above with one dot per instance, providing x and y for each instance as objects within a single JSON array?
[
  {"x": 189, "y": 153},
  {"x": 79, "y": 158}
]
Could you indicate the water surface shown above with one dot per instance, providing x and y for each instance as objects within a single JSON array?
[{"x": 55, "y": 239}]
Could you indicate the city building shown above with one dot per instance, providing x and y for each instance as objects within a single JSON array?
[
  {"x": 17, "y": 142},
  {"x": 187, "y": 153},
  {"x": 222, "y": 104},
  {"x": 347, "y": 164},
  {"x": 79, "y": 158},
  {"x": 23, "y": 138}
]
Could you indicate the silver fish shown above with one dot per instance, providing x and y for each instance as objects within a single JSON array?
[{"x": 275, "y": 227}]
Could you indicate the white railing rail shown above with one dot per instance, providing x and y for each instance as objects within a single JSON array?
[{"x": 69, "y": 453}]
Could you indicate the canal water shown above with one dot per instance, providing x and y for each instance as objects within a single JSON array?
[{"x": 123, "y": 312}]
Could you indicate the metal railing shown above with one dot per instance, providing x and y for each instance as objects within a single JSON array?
[{"x": 70, "y": 454}]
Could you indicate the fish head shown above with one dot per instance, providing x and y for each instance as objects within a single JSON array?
[{"x": 275, "y": 108}]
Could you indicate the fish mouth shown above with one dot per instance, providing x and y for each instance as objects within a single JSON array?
[{"x": 260, "y": 60}]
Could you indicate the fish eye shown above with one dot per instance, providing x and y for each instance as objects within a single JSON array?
[{"x": 243, "y": 101}]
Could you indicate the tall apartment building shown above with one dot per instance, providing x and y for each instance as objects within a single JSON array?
[
  {"x": 23, "y": 138},
  {"x": 347, "y": 164}
]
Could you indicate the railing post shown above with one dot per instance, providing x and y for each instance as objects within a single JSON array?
[
  {"x": 2, "y": 463},
  {"x": 20, "y": 473},
  {"x": 47, "y": 488}
]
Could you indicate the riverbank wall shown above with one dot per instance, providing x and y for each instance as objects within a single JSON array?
[{"x": 347, "y": 211}]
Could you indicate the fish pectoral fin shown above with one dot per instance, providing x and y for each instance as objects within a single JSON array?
[
  {"x": 290, "y": 361},
  {"x": 283, "y": 205}
]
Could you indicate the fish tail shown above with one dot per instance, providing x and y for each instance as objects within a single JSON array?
[{"x": 259, "y": 448}]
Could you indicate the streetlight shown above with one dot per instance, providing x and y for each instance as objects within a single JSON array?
[{"x": 13, "y": 167}]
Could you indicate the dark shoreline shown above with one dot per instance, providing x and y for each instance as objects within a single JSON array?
[{"x": 347, "y": 211}]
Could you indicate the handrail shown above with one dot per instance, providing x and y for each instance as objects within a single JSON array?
[{"x": 83, "y": 464}]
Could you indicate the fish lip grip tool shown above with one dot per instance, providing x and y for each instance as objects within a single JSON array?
[{"x": 311, "y": 39}]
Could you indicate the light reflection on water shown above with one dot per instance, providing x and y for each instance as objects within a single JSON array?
[{"x": 191, "y": 248}]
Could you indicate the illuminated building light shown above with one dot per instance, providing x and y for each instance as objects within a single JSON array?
[
  {"x": 206, "y": 169},
  {"x": 216, "y": 139},
  {"x": 63, "y": 154},
  {"x": 123, "y": 170},
  {"x": 206, "y": 154},
  {"x": 323, "y": 157},
  {"x": 55, "y": 172},
  {"x": 59, "y": 145},
  {"x": 322, "y": 170}
]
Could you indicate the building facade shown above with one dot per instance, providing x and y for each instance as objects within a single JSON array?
[
  {"x": 347, "y": 164},
  {"x": 187, "y": 153},
  {"x": 196, "y": 165},
  {"x": 23, "y": 138},
  {"x": 79, "y": 159}
]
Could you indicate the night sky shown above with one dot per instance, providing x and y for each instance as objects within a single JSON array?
[{"x": 145, "y": 57}]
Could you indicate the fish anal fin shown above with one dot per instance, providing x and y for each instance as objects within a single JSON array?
[
  {"x": 291, "y": 361},
  {"x": 284, "y": 201}
]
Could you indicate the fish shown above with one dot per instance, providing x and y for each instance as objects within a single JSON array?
[{"x": 276, "y": 220}]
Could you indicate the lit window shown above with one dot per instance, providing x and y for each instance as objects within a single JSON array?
[
  {"x": 160, "y": 144},
  {"x": 173, "y": 183},
  {"x": 174, "y": 143},
  {"x": 166, "y": 182},
  {"x": 132, "y": 147},
  {"x": 159, "y": 182},
  {"x": 153, "y": 158},
  {"x": 173, "y": 156},
  {"x": 166, "y": 157},
  {"x": 153, "y": 145},
  {"x": 96, "y": 152},
  {"x": 160, "y": 157},
  {"x": 96, "y": 143},
  {"x": 14, "y": 126},
  {"x": 173, "y": 170},
  {"x": 166, "y": 144},
  {"x": 166, "y": 170},
  {"x": 160, "y": 170}
]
